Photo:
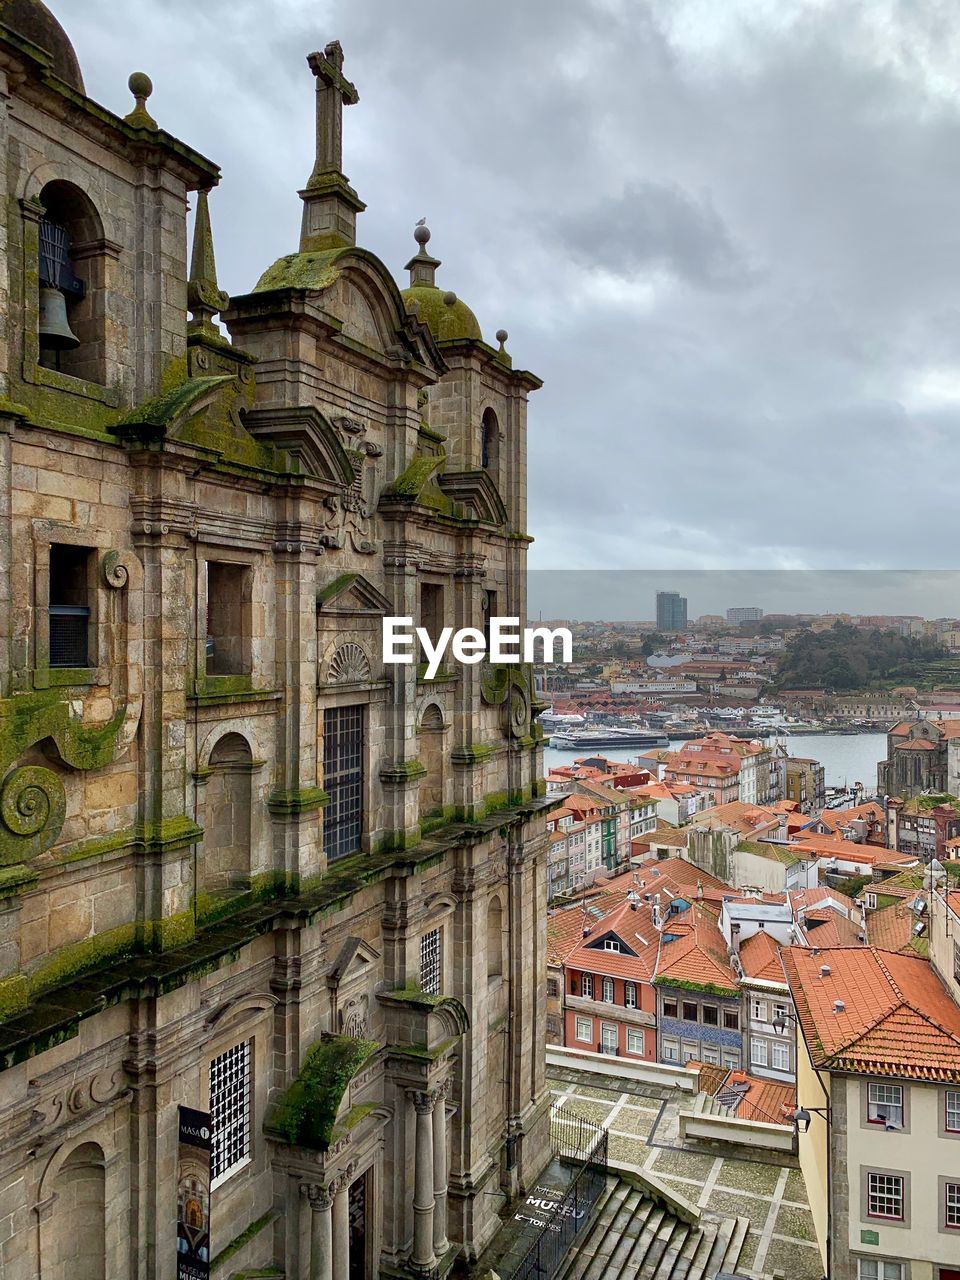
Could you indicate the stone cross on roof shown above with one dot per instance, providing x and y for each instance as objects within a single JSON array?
[
  {"x": 330, "y": 204},
  {"x": 334, "y": 92}
]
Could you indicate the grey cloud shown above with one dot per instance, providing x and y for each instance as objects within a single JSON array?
[
  {"x": 794, "y": 421},
  {"x": 650, "y": 228}
]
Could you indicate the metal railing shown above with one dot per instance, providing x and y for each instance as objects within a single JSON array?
[{"x": 583, "y": 1144}]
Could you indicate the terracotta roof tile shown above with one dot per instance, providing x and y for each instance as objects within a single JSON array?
[
  {"x": 699, "y": 957},
  {"x": 891, "y": 929},
  {"x": 896, "y": 1018},
  {"x": 760, "y": 957}
]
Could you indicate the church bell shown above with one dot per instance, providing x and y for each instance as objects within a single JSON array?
[{"x": 55, "y": 331}]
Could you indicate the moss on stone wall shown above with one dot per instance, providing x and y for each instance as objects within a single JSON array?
[{"x": 306, "y": 1113}]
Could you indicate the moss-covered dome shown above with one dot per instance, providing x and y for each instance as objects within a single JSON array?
[
  {"x": 35, "y": 22},
  {"x": 448, "y": 318}
]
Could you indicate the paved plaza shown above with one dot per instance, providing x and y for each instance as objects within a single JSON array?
[{"x": 643, "y": 1134}]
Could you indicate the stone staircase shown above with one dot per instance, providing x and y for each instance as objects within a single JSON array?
[{"x": 636, "y": 1237}]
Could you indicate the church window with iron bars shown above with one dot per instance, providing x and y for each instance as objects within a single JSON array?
[{"x": 342, "y": 781}]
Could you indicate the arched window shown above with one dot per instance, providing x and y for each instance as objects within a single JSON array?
[
  {"x": 490, "y": 442},
  {"x": 630, "y": 995},
  {"x": 586, "y": 983},
  {"x": 608, "y": 991},
  {"x": 74, "y": 1248},
  {"x": 72, "y": 284},
  {"x": 494, "y": 939},
  {"x": 225, "y": 855},
  {"x": 432, "y": 759}
]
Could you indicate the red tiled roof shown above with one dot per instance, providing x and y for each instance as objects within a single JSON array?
[
  {"x": 699, "y": 957},
  {"x": 891, "y": 929},
  {"x": 896, "y": 1018},
  {"x": 635, "y": 928},
  {"x": 760, "y": 957},
  {"x": 765, "y": 1100}
]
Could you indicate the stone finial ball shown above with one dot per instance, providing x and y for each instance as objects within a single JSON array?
[
  {"x": 502, "y": 336},
  {"x": 140, "y": 84},
  {"x": 449, "y": 299},
  {"x": 421, "y": 234}
]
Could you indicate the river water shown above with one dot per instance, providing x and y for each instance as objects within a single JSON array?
[{"x": 846, "y": 758}]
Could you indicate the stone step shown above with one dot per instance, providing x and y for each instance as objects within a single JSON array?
[
  {"x": 697, "y": 1269},
  {"x": 720, "y": 1246},
  {"x": 735, "y": 1246},
  {"x": 643, "y": 1241},
  {"x": 629, "y": 1226},
  {"x": 585, "y": 1246},
  {"x": 657, "y": 1265}
]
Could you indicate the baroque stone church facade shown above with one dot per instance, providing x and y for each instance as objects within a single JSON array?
[{"x": 245, "y": 867}]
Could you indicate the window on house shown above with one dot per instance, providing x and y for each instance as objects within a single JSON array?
[
  {"x": 585, "y": 1030},
  {"x": 670, "y": 1009},
  {"x": 885, "y": 1104},
  {"x": 230, "y": 1109},
  {"x": 611, "y": 944},
  {"x": 951, "y": 1105},
  {"x": 229, "y": 651},
  {"x": 609, "y": 1038},
  {"x": 430, "y": 962},
  {"x": 670, "y": 1050},
  {"x": 780, "y": 1057},
  {"x": 951, "y": 1206},
  {"x": 885, "y": 1196},
  {"x": 758, "y": 1010},
  {"x": 711, "y": 1054},
  {"x": 630, "y": 994},
  {"x": 608, "y": 991},
  {"x": 690, "y": 1050},
  {"x": 870, "y": 901},
  {"x": 731, "y": 1019},
  {"x": 710, "y": 1015},
  {"x": 689, "y": 1011},
  {"x": 879, "y": 1269},
  {"x": 634, "y": 1040},
  {"x": 71, "y": 593},
  {"x": 781, "y": 1010},
  {"x": 586, "y": 986},
  {"x": 758, "y": 1053},
  {"x": 342, "y": 781},
  {"x": 553, "y": 987}
]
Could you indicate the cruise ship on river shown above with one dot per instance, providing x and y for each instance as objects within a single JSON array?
[{"x": 608, "y": 736}]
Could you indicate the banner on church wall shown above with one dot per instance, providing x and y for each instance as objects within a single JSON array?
[{"x": 195, "y": 1143}]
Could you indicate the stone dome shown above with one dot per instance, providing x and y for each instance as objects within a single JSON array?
[
  {"x": 35, "y": 22},
  {"x": 448, "y": 318}
]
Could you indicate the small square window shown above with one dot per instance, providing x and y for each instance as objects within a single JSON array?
[
  {"x": 585, "y": 1030},
  {"x": 634, "y": 1040},
  {"x": 671, "y": 1050},
  {"x": 885, "y": 1105},
  {"x": 71, "y": 594},
  {"x": 670, "y": 1009},
  {"x": 711, "y": 1015},
  {"x": 951, "y": 1207},
  {"x": 731, "y": 1019},
  {"x": 885, "y": 1196},
  {"x": 689, "y": 1011}
]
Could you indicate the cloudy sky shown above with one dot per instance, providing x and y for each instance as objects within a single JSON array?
[{"x": 727, "y": 235}]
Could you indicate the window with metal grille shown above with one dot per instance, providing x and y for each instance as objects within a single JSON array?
[
  {"x": 885, "y": 1104},
  {"x": 230, "y": 1109},
  {"x": 342, "y": 781},
  {"x": 430, "y": 962},
  {"x": 952, "y": 1111},
  {"x": 951, "y": 1209},
  {"x": 69, "y": 606},
  {"x": 885, "y": 1196}
]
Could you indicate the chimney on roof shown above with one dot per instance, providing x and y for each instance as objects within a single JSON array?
[
  {"x": 838, "y": 1006},
  {"x": 824, "y": 971}
]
